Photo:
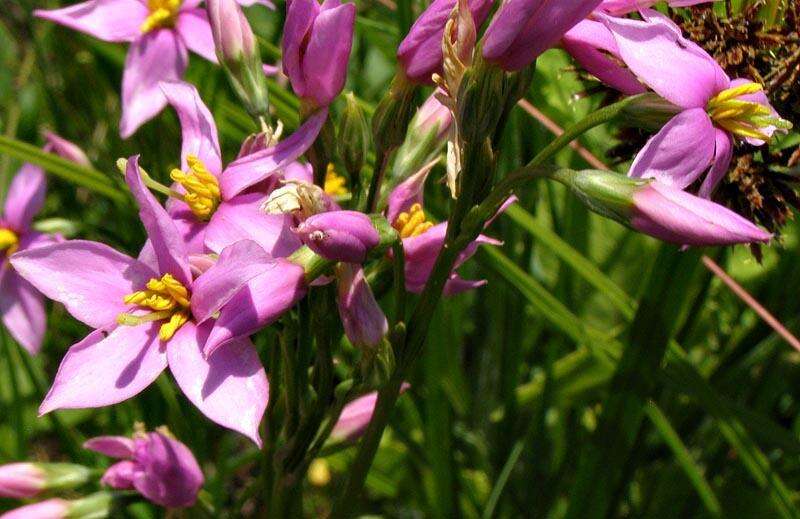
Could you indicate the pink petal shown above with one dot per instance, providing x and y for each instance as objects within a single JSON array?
[
  {"x": 723, "y": 153},
  {"x": 229, "y": 387},
  {"x": 22, "y": 310},
  {"x": 89, "y": 278},
  {"x": 657, "y": 53},
  {"x": 157, "y": 56},
  {"x": 120, "y": 475},
  {"x": 25, "y": 197},
  {"x": 195, "y": 31},
  {"x": 113, "y": 446},
  {"x": 166, "y": 471},
  {"x": 407, "y": 193},
  {"x": 191, "y": 230},
  {"x": 237, "y": 265},
  {"x": 101, "y": 371},
  {"x": 197, "y": 125},
  {"x": 588, "y": 42},
  {"x": 109, "y": 20},
  {"x": 242, "y": 219},
  {"x": 260, "y": 303},
  {"x": 326, "y": 57},
  {"x": 258, "y": 166},
  {"x": 299, "y": 20},
  {"x": 680, "y": 152},
  {"x": 54, "y": 508},
  {"x": 169, "y": 247},
  {"x": 356, "y": 415}
]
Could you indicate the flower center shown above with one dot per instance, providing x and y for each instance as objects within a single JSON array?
[
  {"x": 335, "y": 184},
  {"x": 412, "y": 223},
  {"x": 162, "y": 14},
  {"x": 9, "y": 242},
  {"x": 743, "y": 118},
  {"x": 168, "y": 299},
  {"x": 202, "y": 188}
]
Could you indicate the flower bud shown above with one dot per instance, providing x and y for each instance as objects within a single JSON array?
[
  {"x": 420, "y": 52},
  {"x": 659, "y": 210},
  {"x": 424, "y": 139},
  {"x": 392, "y": 115},
  {"x": 98, "y": 504},
  {"x": 233, "y": 37},
  {"x": 65, "y": 149},
  {"x": 523, "y": 29},
  {"x": 26, "y": 480},
  {"x": 316, "y": 48},
  {"x": 354, "y": 137},
  {"x": 364, "y": 322},
  {"x": 238, "y": 54},
  {"x": 339, "y": 235},
  {"x": 356, "y": 415},
  {"x": 480, "y": 102}
]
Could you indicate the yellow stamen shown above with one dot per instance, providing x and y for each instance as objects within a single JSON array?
[
  {"x": 9, "y": 242},
  {"x": 743, "y": 118},
  {"x": 162, "y": 14},
  {"x": 168, "y": 298},
  {"x": 335, "y": 184},
  {"x": 202, "y": 188},
  {"x": 412, "y": 223},
  {"x": 319, "y": 472}
]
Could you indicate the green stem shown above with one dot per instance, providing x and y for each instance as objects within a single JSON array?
[
  {"x": 458, "y": 238},
  {"x": 16, "y": 401},
  {"x": 381, "y": 163},
  {"x": 399, "y": 281}
]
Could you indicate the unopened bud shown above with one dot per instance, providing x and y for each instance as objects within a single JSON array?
[
  {"x": 364, "y": 322},
  {"x": 26, "y": 480},
  {"x": 391, "y": 118},
  {"x": 424, "y": 139},
  {"x": 238, "y": 54},
  {"x": 480, "y": 102},
  {"x": 662, "y": 211},
  {"x": 354, "y": 136},
  {"x": 339, "y": 235}
]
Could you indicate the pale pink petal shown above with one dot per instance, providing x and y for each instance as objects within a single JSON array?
[
  {"x": 723, "y": 154},
  {"x": 113, "y": 446},
  {"x": 101, "y": 371},
  {"x": 157, "y": 56},
  {"x": 663, "y": 59},
  {"x": 193, "y": 27},
  {"x": 198, "y": 129},
  {"x": 120, "y": 475},
  {"x": 89, "y": 278},
  {"x": 54, "y": 508},
  {"x": 229, "y": 387},
  {"x": 680, "y": 152},
  {"x": 237, "y": 265},
  {"x": 167, "y": 472},
  {"x": 22, "y": 311},
  {"x": 242, "y": 219},
  {"x": 191, "y": 230},
  {"x": 258, "y": 166},
  {"x": 169, "y": 247},
  {"x": 356, "y": 415},
  {"x": 25, "y": 197},
  {"x": 109, "y": 20}
]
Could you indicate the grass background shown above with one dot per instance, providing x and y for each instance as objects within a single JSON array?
[{"x": 599, "y": 372}]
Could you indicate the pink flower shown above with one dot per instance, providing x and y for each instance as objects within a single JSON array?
[
  {"x": 420, "y": 52},
  {"x": 159, "y": 467},
  {"x": 141, "y": 312},
  {"x": 715, "y": 108},
  {"x": 422, "y": 240},
  {"x": 21, "y": 305},
  {"x": 316, "y": 48},
  {"x": 160, "y": 33},
  {"x": 216, "y": 211},
  {"x": 523, "y": 29}
]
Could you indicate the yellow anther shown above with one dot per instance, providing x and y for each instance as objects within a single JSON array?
[
  {"x": 743, "y": 118},
  {"x": 9, "y": 242},
  {"x": 168, "y": 299},
  {"x": 162, "y": 14},
  {"x": 319, "y": 473},
  {"x": 335, "y": 184},
  {"x": 169, "y": 328},
  {"x": 412, "y": 223},
  {"x": 202, "y": 188}
]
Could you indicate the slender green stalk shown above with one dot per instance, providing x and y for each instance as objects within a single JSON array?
[
  {"x": 16, "y": 403},
  {"x": 373, "y": 197}
]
